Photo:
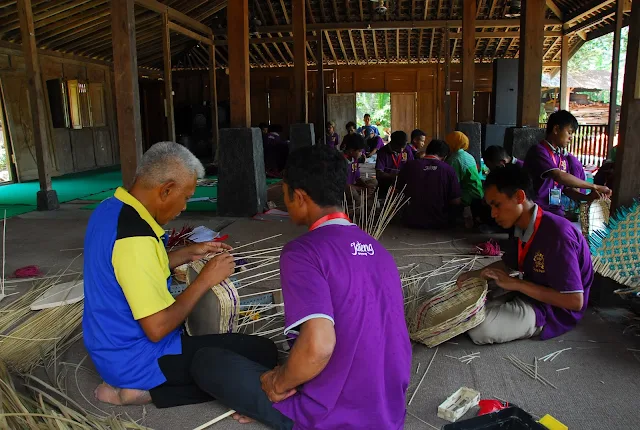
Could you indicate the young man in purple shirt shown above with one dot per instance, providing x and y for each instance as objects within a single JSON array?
[
  {"x": 496, "y": 156},
  {"x": 549, "y": 170},
  {"x": 373, "y": 144},
  {"x": 391, "y": 159},
  {"x": 356, "y": 187},
  {"x": 418, "y": 140},
  {"x": 331, "y": 138},
  {"x": 433, "y": 188},
  {"x": 350, "y": 364},
  {"x": 550, "y": 254}
]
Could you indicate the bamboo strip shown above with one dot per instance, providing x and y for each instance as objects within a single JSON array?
[
  {"x": 215, "y": 420},
  {"x": 425, "y": 374}
]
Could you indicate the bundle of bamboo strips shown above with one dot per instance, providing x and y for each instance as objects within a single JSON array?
[
  {"x": 370, "y": 220},
  {"x": 44, "y": 410}
]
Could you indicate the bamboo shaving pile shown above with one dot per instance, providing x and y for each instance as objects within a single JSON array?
[{"x": 43, "y": 410}]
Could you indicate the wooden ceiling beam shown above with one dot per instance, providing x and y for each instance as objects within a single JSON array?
[
  {"x": 344, "y": 51},
  {"x": 56, "y": 14},
  {"x": 398, "y": 44},
  {"x": 175, "y": 15},
  {"x": 594, "y": 20},
  {"x": 554, "y": 8},
  {"x": 502, "y": 34},
  {"x": 364, "y": 46},
  {"x": 585, "y": 11},
  {"x": 68, "y": 27},
  {"x": 333, "y": 52},
  {"x": 353, "y": 47},
  {"x": 375, "y": 44},
  {"x": 606, "y": 29}
]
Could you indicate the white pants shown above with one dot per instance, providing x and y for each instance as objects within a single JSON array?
[{"x": 506, "y": 321}]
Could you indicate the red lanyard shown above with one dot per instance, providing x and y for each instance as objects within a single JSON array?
[
  {"x": 335, "y": 215},
  {"x": 553, "y": 157},
  {"x": 431, "y": 157},
  {"x": 396, "y": 161},
  {"x": 524, "y": 249}
]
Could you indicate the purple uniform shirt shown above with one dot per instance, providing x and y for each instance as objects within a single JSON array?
[
  {"x": 333, "y": 140},
  {"x": 517, "y": 162},
  {"x": 558, "y": 258},
  {"x": 353, "y": 170},
  {"x": 431, "y": 184},
  {"x": 364, "y": 385},
  {"x": 390, "y": 162},
  {"x": 375, "y": 143},
  {"x": 540, "y": 161}
]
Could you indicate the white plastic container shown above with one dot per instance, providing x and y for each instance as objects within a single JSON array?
[{"x": 458, "y": 404}]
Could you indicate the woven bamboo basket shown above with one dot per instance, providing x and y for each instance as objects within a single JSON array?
[
  {"x": 180, "y": 272},
  {"x": 217, "y": 311},
  {"x": 594, "y": 216},
  {"x": 453, "y": 312}
]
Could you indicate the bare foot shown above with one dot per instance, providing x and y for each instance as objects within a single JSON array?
[
  {"x": 121, "y": 396},
  {"x": 242, "y": 419}
]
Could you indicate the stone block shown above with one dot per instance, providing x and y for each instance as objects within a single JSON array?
[
  {"x": 518, "y": 140},
  {"x": 301, "y": 135},
  {"x": 242, "y": 185},
  {"x": 473, "y": 130},
  {"x": 47, "y": 200},
  {"x": 493, "y": 135}
]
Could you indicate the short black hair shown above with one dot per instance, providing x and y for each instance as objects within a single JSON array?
[
  {"x": 263, "y": 125},
  {"x": 417, "y": 133},
  {"x": 562, "y": 118},
  {"x": 275, "y": 128},
  {"x": 354, "y": 141},
  {"x": 398, "y": 139},
  {"x": 367, "y": 115},
  {"x": 438, "y": 147},
  {"x": 494, "y": 154},
  {"x": 318, "y": 170},
  {"x": 351, "y": 124},
  {"x": 510, "y": 179}
]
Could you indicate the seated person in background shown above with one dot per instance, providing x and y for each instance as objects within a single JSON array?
[
  {"x": 390, "y": 160},
  {"x": 552, "y": 256},
  {"x": 373, "y": 144},
  {"x": 350, "y": 364},
  {"x": 276, "y": 151},
  {"x": 356, "y": 186},
  {"x": 548, "y": 167},
  {"x": 132, "y": 325},
  {"x": 433, "y": 188},
  {"x": 331, "y": 138},
  {"x": 466, "y": 169},
  {"x": 496, "y": 156},
  {"x": 264, "y": 128},
  {"x": 351, "y": 129},
  {"x": 418, "y": 140},
  {"x": 367, "y": 124}
]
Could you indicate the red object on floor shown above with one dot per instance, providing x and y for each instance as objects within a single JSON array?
[
  {"x": 27, "y": 272},
  {"x": 491, "y": 248},
  {"x": 488, "y": 406}
]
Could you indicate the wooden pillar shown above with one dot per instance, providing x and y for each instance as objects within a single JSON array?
[
  {"x": 239, "y": 83},
  {"x": 320, "y": 102},
  {"x": 300, "y": 61},
  {"x": 447, "y": 82},
  {"x": 46, "y": 197},
  {"x": 125, "y": 67},
  {"x": 168, "y": 85},
  {"x": 213, "y": 91},
  {"x": 627, "y": 181},
  {"x": 564, "y": 74},
  {"x": 468, "y": 57},
  {"x": 615, "y": 66},
  {"x": 530, "y": 65}
]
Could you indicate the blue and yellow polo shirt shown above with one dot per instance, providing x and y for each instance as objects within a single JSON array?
[{"x": 126, "y": 278}]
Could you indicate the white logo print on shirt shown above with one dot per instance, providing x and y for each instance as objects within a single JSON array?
[{"x": 362, "y": 249}]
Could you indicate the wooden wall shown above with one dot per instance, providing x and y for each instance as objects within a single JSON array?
[{"x": 72, "y": 150}]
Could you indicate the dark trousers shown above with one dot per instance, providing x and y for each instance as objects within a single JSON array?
[{"x": 226, "y": 367}]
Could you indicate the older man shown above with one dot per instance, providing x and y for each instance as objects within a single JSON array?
[{"x": 132, "y": 325}]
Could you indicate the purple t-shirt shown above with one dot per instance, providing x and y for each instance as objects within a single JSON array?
[
  {"x": 575, "y": 167},
  {"x": 375, "y": 143},
  {"x": 430, "y": 184},
  {"x": 558, "y": 258},
  {"x": 333, "y": 140},
  {"x": 364, "y": 385},
  {"x": 390, "y": 162},
  {"x": 540, "y": 162},
  {"x": 353, "y": 171},
  {"x": 518, "y": 163}
]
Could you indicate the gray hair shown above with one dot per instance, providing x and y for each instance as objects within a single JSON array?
[{"x": 167, "y": 161}]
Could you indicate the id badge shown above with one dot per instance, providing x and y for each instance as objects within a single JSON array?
[{"x": 555, "y": 196}]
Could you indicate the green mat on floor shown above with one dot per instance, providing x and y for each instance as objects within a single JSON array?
[{"x": 13, "y": 210}]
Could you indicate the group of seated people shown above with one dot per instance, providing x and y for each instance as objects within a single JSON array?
[{"x": 350, "y": 359}]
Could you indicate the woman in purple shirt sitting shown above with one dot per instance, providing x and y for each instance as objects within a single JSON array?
[{"x": 552, "y": 257}]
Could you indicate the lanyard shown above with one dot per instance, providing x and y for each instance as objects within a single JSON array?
[
  {"x": 523, "y": 249},
  {"x": 431, "y": 157},
  {"x": 396, "y": 161},
  {"x": 335, "y": 215},
  {"x": 555, "y": 162}
]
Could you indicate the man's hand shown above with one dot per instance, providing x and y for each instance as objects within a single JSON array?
[
  {"x": 601, "y": 191},
  {"x": 502, "y": 278},
  {"x": 198, "y": 251},
  {"x": 268, "y": 381},
  {"x": 217, "y": 269}
]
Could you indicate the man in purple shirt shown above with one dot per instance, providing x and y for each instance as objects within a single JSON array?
[
  {"x": 331, "y": 138},
  {"x": 391, "y": 159},
  {"x": 433, "y": 188},
  {"x": 350, "y": 364},
  {"x": 373, "y": 144},
  {"x": 548, "y": 167},
  {"x": 496, "y": 156},
  {"x": 356, "y": 187},
  {"x": 418, "y": 139},
  {"x": 552, "y": 257}
]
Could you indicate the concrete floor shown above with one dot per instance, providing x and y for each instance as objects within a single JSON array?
[{"x": 599, "y": 391}]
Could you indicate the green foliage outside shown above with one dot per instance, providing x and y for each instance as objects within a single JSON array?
[
  {"x": 378, "y": 105},
  {"x": 597, "y": 54}
]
